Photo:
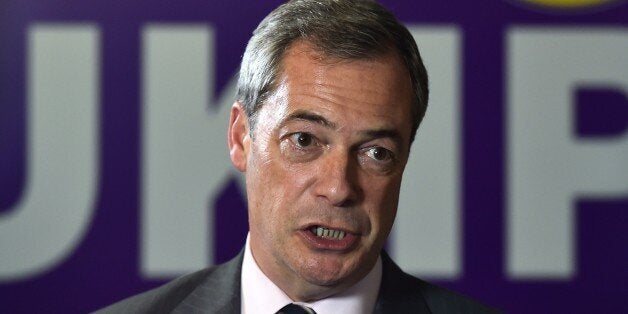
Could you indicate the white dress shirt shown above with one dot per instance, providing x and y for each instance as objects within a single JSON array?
[{"x": 261, "y": 295}]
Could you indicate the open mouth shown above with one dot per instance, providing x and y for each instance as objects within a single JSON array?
[
  {"x": 329, "y": 238},
  {"x": 327, "y": 233}
]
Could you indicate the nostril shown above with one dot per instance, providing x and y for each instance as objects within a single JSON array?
[{"x": 346, "y": 203}]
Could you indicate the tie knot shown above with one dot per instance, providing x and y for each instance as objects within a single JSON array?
[{"x": 294, "y": 308}]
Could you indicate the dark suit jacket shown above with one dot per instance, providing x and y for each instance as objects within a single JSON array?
[{"x": 217, "y": 290}]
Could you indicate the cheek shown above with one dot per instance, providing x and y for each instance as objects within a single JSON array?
[
  {"x": 291, "y": 178},
  {"x": 274, "y": 186},
  {"x": 382, "y": 200}
]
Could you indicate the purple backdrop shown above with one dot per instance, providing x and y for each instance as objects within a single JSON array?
[{"x": 105, "y": 266}]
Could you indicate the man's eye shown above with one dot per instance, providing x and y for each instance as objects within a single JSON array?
[
  {"x": 300, "y": 147},
  {"x": 379, "y": 154},
  {"x": 302, "y": 139}
]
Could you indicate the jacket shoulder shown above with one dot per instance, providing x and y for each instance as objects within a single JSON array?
[
  {"x": 162, "y": 299},
  {"x": 212, "y": 290},
  {"x": 404, "y": 293},
  {"x": 441, "y": 300}
]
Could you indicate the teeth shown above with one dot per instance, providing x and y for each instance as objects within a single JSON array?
[{"x": 328, "y": 233}]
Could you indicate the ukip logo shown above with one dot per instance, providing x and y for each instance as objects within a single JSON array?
[{"x": 575, "y": 6}]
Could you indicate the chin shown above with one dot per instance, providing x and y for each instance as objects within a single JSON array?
[
  {"x": 329, "y": 273},
  {"x": 326, "y": 275},
  {"x": 320, "y": 288}
]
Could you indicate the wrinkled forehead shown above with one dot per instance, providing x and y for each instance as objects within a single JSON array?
[{"x": 375, "y": 87}]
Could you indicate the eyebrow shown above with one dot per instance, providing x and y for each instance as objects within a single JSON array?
[
  {"x": 370, "y": 134},
  {"x": 312, "y": 117},
  {"x": 384, "y": 133}
]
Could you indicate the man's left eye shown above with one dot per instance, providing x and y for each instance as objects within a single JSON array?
[{"x": 379, "y": 153}]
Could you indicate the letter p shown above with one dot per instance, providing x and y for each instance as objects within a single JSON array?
[{"x": 550, "y": 163}]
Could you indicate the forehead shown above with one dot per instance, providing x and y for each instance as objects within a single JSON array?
[{"x": 375, "y": 90}]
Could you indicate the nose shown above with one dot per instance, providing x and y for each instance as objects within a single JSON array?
[{"x": 337, "y": 180}]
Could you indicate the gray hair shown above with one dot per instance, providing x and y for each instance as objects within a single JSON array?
[{"x": 343, "y": 29}]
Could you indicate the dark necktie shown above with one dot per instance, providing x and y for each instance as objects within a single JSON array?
[{"x": 293, "y": 308}]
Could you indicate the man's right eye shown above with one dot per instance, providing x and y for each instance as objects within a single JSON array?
[
  {"x": 301, "y": 147},
  {"x": 302, "y": 140}
]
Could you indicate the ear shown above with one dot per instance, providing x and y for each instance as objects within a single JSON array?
[{"x": 238, "y": 137}]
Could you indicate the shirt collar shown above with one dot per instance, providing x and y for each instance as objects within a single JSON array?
[{"x": 261, "y": 295}]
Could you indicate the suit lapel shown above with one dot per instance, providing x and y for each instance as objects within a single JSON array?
[
  {"x": 218, "y": 293},
  {"x": 397, "y": 293}
]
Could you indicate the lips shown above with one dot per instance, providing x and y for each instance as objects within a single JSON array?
[
  {"x": 329, "y": 238},
  {"x": 328, "y": 233}
]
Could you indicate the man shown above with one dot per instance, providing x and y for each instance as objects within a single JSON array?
[{"x": 330, "y": 96}]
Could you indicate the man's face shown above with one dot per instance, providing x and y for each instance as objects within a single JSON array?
[{"x": 323, "y": 169}]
